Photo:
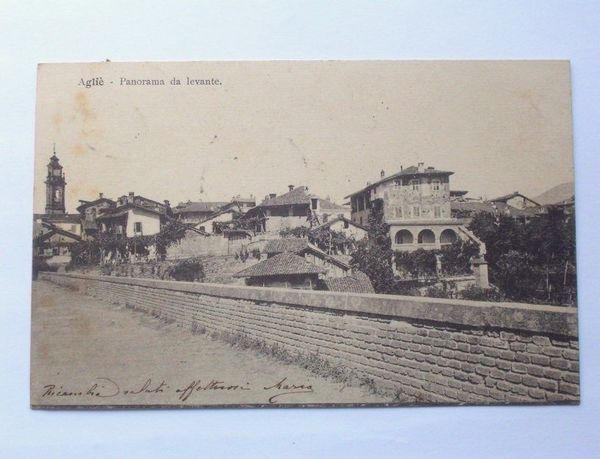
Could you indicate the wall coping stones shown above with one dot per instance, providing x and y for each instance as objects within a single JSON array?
[{"x": 533, "y": 318}]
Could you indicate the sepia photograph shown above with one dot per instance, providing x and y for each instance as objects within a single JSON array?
[{"x": 304, "y": 233}]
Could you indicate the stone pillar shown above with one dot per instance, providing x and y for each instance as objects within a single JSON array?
[
  {"x": 480, "y": 271},
  {"x": 438, "y": 265}
]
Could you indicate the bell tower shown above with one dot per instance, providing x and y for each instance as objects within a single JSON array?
[{"x": 55, "y": 186}]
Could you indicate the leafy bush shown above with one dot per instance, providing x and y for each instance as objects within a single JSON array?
[
  {"x": 420, "y": 263},
  {"x": 90, "y": 252},
  {"x": 407, "y": 287},
  {"x": 190, "y": 270},
  {"x": 480, "y": 294},
  {"x": 456, "y": 257},
  {"x": 455, "y": 260},
  {"x": 436, "y": 291},
  {"x": 325, "y": 238},
  {"x": 331, "y": 241},
  {"x": 443, "y": 290}
]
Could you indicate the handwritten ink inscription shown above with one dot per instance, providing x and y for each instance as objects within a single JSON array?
[{"x": 103, "y": 388}]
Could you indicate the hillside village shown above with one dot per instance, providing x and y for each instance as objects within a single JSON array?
[{"x": 292, "y": 239}]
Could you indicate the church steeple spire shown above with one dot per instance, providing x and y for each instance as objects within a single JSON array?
[{"x": 55, "y": 186}]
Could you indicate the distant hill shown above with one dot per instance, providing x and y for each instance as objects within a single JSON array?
[{"x": 556, "y": 194}]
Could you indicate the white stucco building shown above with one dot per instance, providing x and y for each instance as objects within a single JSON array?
[{"x": 133, "y": 216}]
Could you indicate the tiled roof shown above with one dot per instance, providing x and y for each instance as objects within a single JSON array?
[
  {"x": 199, "y": 207},
  {"x": 457, "y": 193},
  {"x": 494, "y": 208},
  {"x": 58, "y": 218},
  {"x": 340, "y": 260},
  {"x": 122, "y": 210},
  {"x": 244, "y": 200},
  {"x": 56, "y": 230},
  {"x": 300, "y": 246},
  {"x": 357, "y": 282},
  {"x": 409, "y": 171},
  {"x": 86, "y": 204},
  {"x": 510, "y": 196},
  {"x": 298, "y": 195},
  {"x": 291, "y": 244},
  {"x": 281, "y": 265},
  {"x": 225, "y": 210},
  {"x": 141, "y": 200}
]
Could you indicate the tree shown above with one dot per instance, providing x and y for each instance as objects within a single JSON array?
[
  {"x": 373, "y": 254},
  {"x": 325, "y": 238},
  {"x": 530, "y": 260},
  {"x": 92, "y": 251},
  {"x": 456, "y": 257},
  {"x": 516, "y": 275}
]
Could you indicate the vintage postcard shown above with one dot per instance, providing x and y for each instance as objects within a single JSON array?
[{"x": 307, "y": 233}]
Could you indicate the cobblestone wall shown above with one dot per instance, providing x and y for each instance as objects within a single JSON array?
[{"x": 443, "y": 351}]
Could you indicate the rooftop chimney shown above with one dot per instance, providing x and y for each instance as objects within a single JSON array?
[
  {"x": 272, "y": 195},
  {"x": 167, "y": 203},
  {"x": 291, "y": 187},
  {"x": 101, "y": 195},
  {"x": 401, "y": 167},
  {"x": 421, "y": 167},
  {"x": 382, "y": 173}
]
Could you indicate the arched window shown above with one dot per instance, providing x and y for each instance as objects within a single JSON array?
[
  {"x": 448, "y": 236},
  {"x": 426, "y": 237},
  {"x": 404, "y": 237}
]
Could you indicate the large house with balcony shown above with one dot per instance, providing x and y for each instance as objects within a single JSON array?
[
  {"x": 290, "y": 210},
  {"x": 416, "y": 206},
  {"x": 89, "y": 211},
  {"x": 132, "y": 216}
]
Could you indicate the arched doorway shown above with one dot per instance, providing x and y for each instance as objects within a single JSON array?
[
  {"x": 404, "y": 237},
  {"x": 426, "y": 236},
  {"x": 448, "y": 236}
]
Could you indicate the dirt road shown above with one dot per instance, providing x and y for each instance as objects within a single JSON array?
[{"x": 90, "y": 352}]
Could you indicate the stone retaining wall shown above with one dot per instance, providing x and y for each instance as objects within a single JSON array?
[{"x": 424, "y": 349}]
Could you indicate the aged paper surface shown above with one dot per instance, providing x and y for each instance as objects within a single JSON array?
[{"x": 304, "y": 233}]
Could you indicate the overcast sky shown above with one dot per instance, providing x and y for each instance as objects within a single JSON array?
[{"x": 500, "y": 126}]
